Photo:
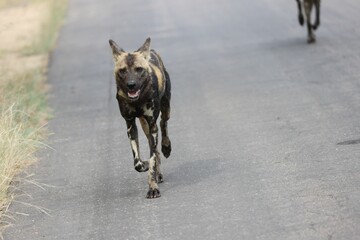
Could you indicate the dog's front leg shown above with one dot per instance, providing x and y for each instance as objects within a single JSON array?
[
  {"x": 308, "y": 4},
  {"x": 140, "y": 166},
  {"x": 154, "y": 160}
]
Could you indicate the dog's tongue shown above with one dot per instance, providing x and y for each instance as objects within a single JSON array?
[{"x": 134, "y": 94}]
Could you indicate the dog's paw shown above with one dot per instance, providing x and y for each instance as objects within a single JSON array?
[
  {"x": 311, "y": 39},
  {"x": 301, "y": 19},
  {"x": 166, "y": 150},
  {"x": 142, "y": 166},
  {"x": 153, "y": 193},
  {"x": 166, "y": 147},
  {"x": 316, "y": 25}
]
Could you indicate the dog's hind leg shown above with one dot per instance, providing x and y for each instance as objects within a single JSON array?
[
  {"x": 140, "y": 166},
  {"x": 317, "y": 20},
  {"x": 165, "y": 116},
  {"x": 300, "y": 14}
]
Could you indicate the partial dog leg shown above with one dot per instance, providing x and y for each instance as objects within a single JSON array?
[
  {"x": 160, "y": 176},
  {"x": 165, "y": 116},
  {"x": 146, "y": 130},
  {"x": 317, "y": 21},
  {"x": 154, "y": 161},
  {"x": 300, "y": 14},
  {"x": 308, "y": 7},
  {"x": 140, "y": 166}
]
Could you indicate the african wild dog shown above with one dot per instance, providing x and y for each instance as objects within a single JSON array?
[
  {"x": 308, "y": 5},
  {"x": 143, "y": 91}
]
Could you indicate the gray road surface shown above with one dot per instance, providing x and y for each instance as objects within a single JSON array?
[{"x": 256, "y": 121}]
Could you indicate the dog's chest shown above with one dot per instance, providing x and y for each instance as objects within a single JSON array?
[{"x": 146, "y": 109}]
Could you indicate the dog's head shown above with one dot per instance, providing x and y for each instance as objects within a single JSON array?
[{"x": 132, "y": 70}]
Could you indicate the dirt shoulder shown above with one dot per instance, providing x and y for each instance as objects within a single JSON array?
[{"x": 20, "y": 26}]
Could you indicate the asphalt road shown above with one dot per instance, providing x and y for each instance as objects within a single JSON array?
[{"x": 257, "y": 118}]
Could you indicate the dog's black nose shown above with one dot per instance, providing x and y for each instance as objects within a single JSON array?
[{"x": 131, "y": 85}]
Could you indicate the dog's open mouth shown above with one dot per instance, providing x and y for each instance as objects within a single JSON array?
[{"x": 134, "y": 94}]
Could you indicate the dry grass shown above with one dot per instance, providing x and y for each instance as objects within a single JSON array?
[
  {"x": 23, "y": 104},
  {"x": 24, "y": 113}
]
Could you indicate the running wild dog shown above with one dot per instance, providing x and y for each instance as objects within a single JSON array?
[
  {"x": 143, "y": 91},
  {"x": 308, "y": 5}
]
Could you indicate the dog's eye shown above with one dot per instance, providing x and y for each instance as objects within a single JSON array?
[
  {"x": 139, "y": 70},
  {"x": 122, "y": 71}
]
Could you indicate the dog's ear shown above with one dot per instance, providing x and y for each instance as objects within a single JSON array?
[
  {"x": 116, "y": 50},
  {"x": 145, "y": 49}
]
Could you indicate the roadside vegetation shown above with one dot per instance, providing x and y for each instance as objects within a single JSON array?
[{"x": 23, "y": 102}]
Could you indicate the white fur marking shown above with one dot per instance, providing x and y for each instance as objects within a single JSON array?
[
  {"x": 129, "y": 129},
  {"x": 148, "y": 111},
  {"x": 155, "y": 137},
  {"x": 152, "y": 182},
  {"x": 134, "y": 148}
]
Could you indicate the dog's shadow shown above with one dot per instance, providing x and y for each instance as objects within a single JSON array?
[{"x": 189, "y": 173}]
